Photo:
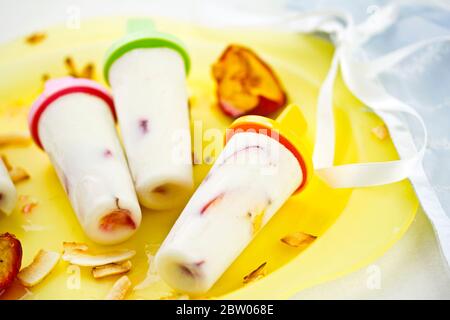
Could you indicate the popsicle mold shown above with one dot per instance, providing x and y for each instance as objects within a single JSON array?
[
  {"x": 262, "y": 164},
  {"x": 147, "y": 74},
  {"x": 57, "y": 88},
  {"x": 73, "y": 121},
  {"x": 141, "y": 33}
]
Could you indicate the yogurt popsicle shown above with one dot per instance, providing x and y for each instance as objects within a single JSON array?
[
  {"x": 73, "y": 121},
  {"x": 8, "y": 194},
  {"x": 147, "y": 74},
  {"x": 254, "y": 175}
]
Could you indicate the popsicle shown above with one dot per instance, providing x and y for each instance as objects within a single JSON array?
[
  {"x": 262, "y": 164},
  {"x": 147, "y": 73},
  {"x": 73, "y": 121},
  {"x": 8, "y": 194}
]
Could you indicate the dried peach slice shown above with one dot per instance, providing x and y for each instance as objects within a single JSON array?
[
  {"x": 43, "y": 263},
  {"x": 10, "y": 259},
  {"x": 246, "y": 84}
]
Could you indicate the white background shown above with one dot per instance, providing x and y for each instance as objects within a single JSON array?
[{"x": 412, "y": 269}]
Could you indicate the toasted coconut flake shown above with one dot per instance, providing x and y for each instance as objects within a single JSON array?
[
  {"x": 18, "y": 174},
  {"x": 297, "y": 239},
  {"x": 83, "y": 258},
  {"x": 71, "y": 246},
  {"x": 42, "y": 265},
  {"x": 13, "y": 139},
  {"x": 35, "y": 38},
  {"x": 111, "y": 269},
  {"x": 257, "y": 222},
  {"x": 6, "y": 162},
  {"x": 120, "y": 289},
  {"x": 88, "y": 71},
  {"x": 381, "y": 132},
  {"x": 70, "y": 66},
  {"x": 256, "y": 274},
  {"x": 45, "y": 77},
  {"x": 28, "y": 207}
]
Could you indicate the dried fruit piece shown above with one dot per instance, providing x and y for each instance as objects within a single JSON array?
[
  {"x": 10, "y": 259},
  {"x": 111, "y": 269},
  {"x": 381, "y": 132},
  {"x": 246, "y": 84},
  {"x": 35, "y": 38},
  {"x": 117, "y": 219},
  {"x": 212, "y": 202},
  {"x": 71, "y": 246},
  {"x": 297, "y": 239},
  {"x": 10, "y": 139},
  {"x": 256, "y": 274},
  {"x": 16, "y": 291},
  {"x": 83, "y": 258},
  {"x": 43, "y": 263},
  {"x": 18, "y": 174},
  {"x": 120, "y": 289}
]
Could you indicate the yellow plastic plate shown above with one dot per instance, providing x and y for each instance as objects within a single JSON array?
[{"x": 354, "y": 227}]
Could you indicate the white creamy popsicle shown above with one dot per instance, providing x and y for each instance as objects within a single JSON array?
[
  {"x": 73, "y": 121},
  {"x": 148, "y": 82},
  {"x": 252, "y": 178},
  {"x": 8, "y": 194}
]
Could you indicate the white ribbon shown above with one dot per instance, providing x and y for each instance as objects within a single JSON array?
[{"x": 360, "y": 77}]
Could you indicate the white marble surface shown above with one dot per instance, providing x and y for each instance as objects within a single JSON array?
[{"x": 412, "y": 269}]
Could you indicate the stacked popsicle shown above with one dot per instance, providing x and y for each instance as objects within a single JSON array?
[
  {"x": 73, "y": 121},
  {"x": 259, "y": 169}
]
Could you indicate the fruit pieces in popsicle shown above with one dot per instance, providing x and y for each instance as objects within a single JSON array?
[
  {"x": 119, "y": 218},
  {"x": 246, "y": 84},
  {"x": 10, "y": 259}
]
